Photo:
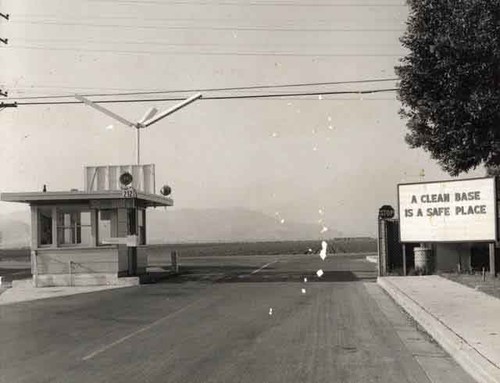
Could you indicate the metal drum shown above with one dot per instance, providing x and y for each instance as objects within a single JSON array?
[{"x": 424, "y": 261}]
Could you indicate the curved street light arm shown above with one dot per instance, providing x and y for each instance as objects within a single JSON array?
[
  {"x": 105, "y": 111},
  {"x": 175, "y": 108}
]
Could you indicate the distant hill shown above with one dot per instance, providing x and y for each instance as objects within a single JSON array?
[
  {"x": 207, "y": 225},
  {"x": 14, "y": 230},
  {"x": 190, "y": 225}
]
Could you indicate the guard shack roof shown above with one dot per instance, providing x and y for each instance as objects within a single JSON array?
[{"x": 57, "y": 197}]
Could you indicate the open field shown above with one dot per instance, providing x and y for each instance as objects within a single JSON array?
[
  {"x": 22, "y": 254},
  {"x": 339, "y": 245}
]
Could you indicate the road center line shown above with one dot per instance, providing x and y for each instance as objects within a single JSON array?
[
  {"x": 263, "y": 267},
  {"x": 145, "y": 328}
]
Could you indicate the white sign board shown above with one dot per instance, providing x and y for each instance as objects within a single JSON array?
[
  {"x": 129, "y": 193},
  {"x": 129, "y": 240},
  {"x": 448, "y": 211}
]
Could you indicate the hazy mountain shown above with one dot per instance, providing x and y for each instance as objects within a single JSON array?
[
  {"x": 190, "y": 225},
  {"x": 15, "y": 229},
  {"x": 193, "y": 225}
]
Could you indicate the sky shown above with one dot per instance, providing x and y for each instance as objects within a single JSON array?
[{"x": 331, "y": 157}]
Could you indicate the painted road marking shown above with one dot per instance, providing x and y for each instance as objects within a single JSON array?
[
  {"x": 145, "y": 328},
  {"x": 263, "y": 267},
  {"x": 155, "y": 323}
]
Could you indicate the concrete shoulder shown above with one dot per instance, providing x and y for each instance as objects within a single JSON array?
[
  {"x": 462, "y": 320},
  {"x": 23, "y": 291}
]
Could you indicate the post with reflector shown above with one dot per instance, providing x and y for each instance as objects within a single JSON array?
[
  {"x": 385, "y": 212},
  {"x": 174, "y": 260}
]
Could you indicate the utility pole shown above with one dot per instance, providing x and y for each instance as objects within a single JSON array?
[
  {"x": 8, "y": 105},
  {"x": 5, "y": 41}
]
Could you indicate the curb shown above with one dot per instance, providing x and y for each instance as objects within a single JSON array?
[
  {"x": 22, "y": 295},
  {"x": 4, "y": 284},
  {"x": 478, "y": 366}
]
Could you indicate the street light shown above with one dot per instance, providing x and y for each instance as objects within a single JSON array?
[{"x": 148, "y": 119}]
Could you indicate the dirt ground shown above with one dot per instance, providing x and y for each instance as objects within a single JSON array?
[{"x": 490, "y": 285}]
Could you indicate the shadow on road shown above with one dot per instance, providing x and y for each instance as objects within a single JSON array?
[
  {"x": 242, "y": 274},
  {"x": 231, "y": 274},
  {"x": 295, "y": 276}
]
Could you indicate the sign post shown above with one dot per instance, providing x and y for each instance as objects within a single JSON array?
[
  {"x": 404, "y": 260},
  {"x": 492, "y": 250},
  {"x": 385, "y": 213}
]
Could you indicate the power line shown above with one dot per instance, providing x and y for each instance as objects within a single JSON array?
[
  {"x": 168, "y": 44},
  {"x": 315, "y": 99},
  {"x": 4, "y": 105},
  {"x": 211, "y": 28},
  {"x": 206, "y": 53},
  {"x": 240, "y": 88},
  {"x": 4, "y": 40},
  {"x": 233, "y": 97},
  {"x": 250, "y": 3},
  {"x": 57, "y": 17}
]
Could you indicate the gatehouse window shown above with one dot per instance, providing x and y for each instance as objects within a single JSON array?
[
  {"x": 74, "y": 228},
  {"x": 107, "y": 226},
  {"x": 45, "y": 226}
]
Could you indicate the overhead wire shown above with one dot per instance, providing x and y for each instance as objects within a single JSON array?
[
  {"x": 252, "y": 3},
  {"x": 206, "y": 53},
  {"x": 239, "y": 88},
  {"x": 186, "y": 44},
  {"x": 57, "y": 17},
  {"x": 230, "y": 97},
  {"x": 228, "y": 53},
  {"x": 210, "y": 27}
]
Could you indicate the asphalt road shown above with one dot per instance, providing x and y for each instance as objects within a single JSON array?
[{"x": 227, "y": 319}]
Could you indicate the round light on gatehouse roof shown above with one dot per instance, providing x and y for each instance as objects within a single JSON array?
[
  {"x": 165, "y": 190},
  {"x": 126, "y": 179},
  {"x": 386, "y": 212}
]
